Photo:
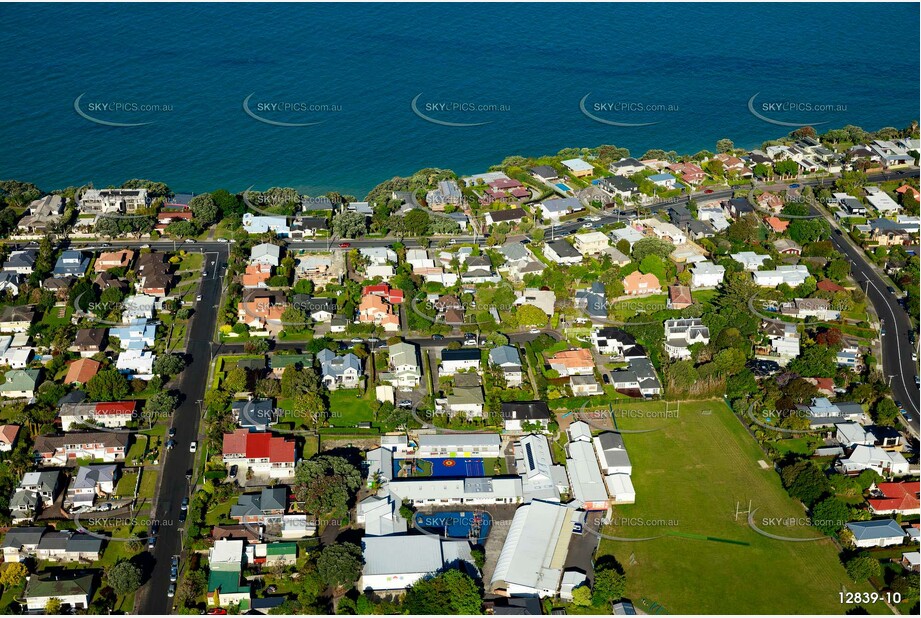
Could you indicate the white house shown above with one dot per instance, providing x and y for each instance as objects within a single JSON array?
[
  {"x": 465, "y": 359},
  {"x": 876, "y": 533},
  {"x": 791, "y": 275},
  {"x": 265, "y": 253},
  {"x": 395, "y": 562},
  {"x": 590, "y": 243},
  {"x": 707, "y": 275},
  {"x": 612, "y": 453},
  {"x": 405, "y": 369},
  {"x": 680, "y": 334},
  {"x": 750, "y": 260},
  {"x": 561, "y": 252}
]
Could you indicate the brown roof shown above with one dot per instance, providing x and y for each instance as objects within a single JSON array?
[
  {"x": 90, "y": 338},
  {"x": 8, "y": 433},
  {"x": 680, "y": 294},
  {"x": 237, "y": 531},
  {"x": 827, "y": 285},
  {"x": 82, "y": 370}
]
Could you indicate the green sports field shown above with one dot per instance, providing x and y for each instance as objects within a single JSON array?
[{"x": 689, "y": 476}]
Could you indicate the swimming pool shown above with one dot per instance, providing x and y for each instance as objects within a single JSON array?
[
  {"x": 450, "y": 466},
  {"x": 562, "y": 187},
  {"x": 456, "y": 524}
]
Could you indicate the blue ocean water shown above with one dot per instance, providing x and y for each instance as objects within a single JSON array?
[{"x": 690, "y": 69}]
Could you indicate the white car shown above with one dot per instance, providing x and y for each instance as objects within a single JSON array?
[
  {"x": 222, "y": 240},
  {"x": 198, "y": 298},
  {"x": 193, "y": 447},
  {"x": 587, "y": 226},
  {"x": 189, "y": 241},
  {"x": 534, "y": 331}
]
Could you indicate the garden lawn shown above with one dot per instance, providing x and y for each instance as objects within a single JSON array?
[
  {"x": 689, "y": 475},
  {"x": 126, "y": 485},
  {"x": 347, "y": 410},
  {"x": 148, "y": 484}
]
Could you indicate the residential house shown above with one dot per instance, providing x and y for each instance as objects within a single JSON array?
[
  {"x": 225, "y": 562},
  {"x": 770, "y": 201},
  {"x": 626, "y": 167},
  {"x": 256, "y": 276},
  {"x": 339, "y": 371},
  {"x": 136, "y": 364},
  {"x": 639, "y": 377},
  {"x": 590, "y": 243},
  {"x": 637, "y": 284},
  {"x": 750, "y": 260},
  {"x": 584, "y": 385},
  {"x": 612, "y": 341},
  {"x": 511, "y": 216},
  {"x": 593, "y": 301},
  {"x": 59, "y": 450},
  {"x": 91, "y": 482},
  {"x": 8, "y": 435},
  {"x": 266, "y": 254},
  {"x": 89, "y": 341},
  {"x": 467, "y": 401},
  {"x": 71, "y": 264},
  {"x": 405, "y": 370},
  {"x": 507, "y": 359},
  {"x": 73, "y": 591},
  {"x": 21, "y": 262},
  {"x": 545, "y": 300},
  {"x": 20, "y": 384},
  {"x": 394, "y": 562},
  {"x": 619, "y": 186},
  {"x": 578, "y": 167},
  {"x": 556, "y": 208},
  {"x": 262, "y": 453},
  {"x": 810, "y": 307},
  {"x": 628, "y": 233},
  {"x": 885, "y": 463},
  {"x": 876, "y": 533},
  {"x": 453, "y": 361},
  {"x": 574, "y": 362},
  {"x": 17, "y": 319},
  {"x": 108, "y": 201},
  {"x": 254, "y": 414},
  {"x": 663, "y": 230},
  {"x": 42, "y": 214},
  {"x": 895, "y": 499},
  {"x": 778, "y": 226},
  {"x": 107, "y": 260},
  {"x": 665, "y": 181},
  {"x": 690, "y": 173},
  {"x": 681, "y": 334},
  {"x": 525, "y": 415},
  {"x": 375, "y": 310},
  {"x": 545, "y": 173},
  {"x": 262, "y": 508},
  {"x": 81, "y": 371},
  {"x": 707, "y": 275},
  {"x": 447, "y": 194},
  {"x": 790, "y": 275},
  {"x": 785, "y": 246},
  {"x": 737, "y": 207},
  {"x": 679, "y": 297}
]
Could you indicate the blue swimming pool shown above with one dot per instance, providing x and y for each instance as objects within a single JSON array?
[
  {"x": 450, "y": 466},
  {"x": 473, "y": 525},
  {"x": 562, "y": 187}
]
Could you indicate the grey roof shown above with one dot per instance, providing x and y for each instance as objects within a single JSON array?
[
  {"x": 563, "y": 248},
  {"x": 71, "y": 263},
  {"x": 545, "y": 171},
  {"x": 628, "y": 162},
  {"x": 612, "y": 445},
  {"x": 620, "y": 183},
  {"x": 514, "y": 251},
  {"x": 505, "y": 355},
  {"x": 89, "y": 476},
  {"x": 27, "y": 535},
  {"x": 256, "y": 413},
  {"x": 269, "y": 499},
  {"x": 510, "y": 214},
  {"x": 332, "y": 365},
  {"x": 561, "y": 204},
  {"x": 21, "y": 259},
  {"x": 876, "y": 529},
  {"x": 460, "y": 355},
  {"x": 525, "y": 410}
]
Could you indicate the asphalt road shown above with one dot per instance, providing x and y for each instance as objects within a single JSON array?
[{"x": 173, "y": 484}]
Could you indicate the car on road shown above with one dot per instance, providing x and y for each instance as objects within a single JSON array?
[
  {"x": 184, "y": 505},
  {"x": 471, "y": 342},
  {"x": 170, "y": 444},
  {"x": 909, "y": 417},
  {"x": 914, "y": 356},
  {"x": 172, "y": 432},
  {"x": 586, "y": 226},
  {"x": 183, "y": 515},
  {"x": 708, "y": 191},
  {"x": 345, "y": 245},
  {"x": 198, "y": 298},
  {"x": 193, "y": 446},
  {"x": 105, "y": 507},
  {"x": 188, "y": 474},
  {"x": 357, "y": 340},
  {"x": 174, "y": 561},
  {"x": 794, "y": 186},
  {"x": 217, "y": 611},
  {"x": 222, "y": 240},
  {"x": 189, "y": 241},
  {"x": 437, "y": 337},
  {"x": 898, "y": 404},
  {"x": 173, "y": 574},
  {"x": 151, "y": 543},
  {"x": 534, "y": 331},
  {"x": 891, "y": 289},
  {"x": 171, "y": 591}
]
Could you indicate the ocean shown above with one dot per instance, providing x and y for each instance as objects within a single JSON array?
[{"x": 380, "y": 90}]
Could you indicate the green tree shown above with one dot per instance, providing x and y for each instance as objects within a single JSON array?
[
  {"x": 53, "y": 606},
  {"x": 450, "y": 592},
  {"x": 724, "y": 145},
  {"x": 803, "y": 480},
  {"x": 830, "y": 515},
  {"x": 236, "y": 380},
  {"x": 107, "y": 385},
  {"x": 339, "y": 565},
  {"x": 325, "y": 484},
  {"x": 582, "y": 596},
  {"x": 861, "y": 568},
  {"x": 654, "y": 246},
  {"x": 886, "y": 412},
  {"x": 160, "y": 406},
  {"x": 124, "y": 577},
  {"x": 907, "y": 586},
  {"x": 529, "y": 315},
  {"x": 204, "y": 210},
  {"x": 13, "y": 574},
  {"x": 349, "y": 224},
  {"x": 416, "y": 222},
  {"x": 168, "y": 364},
  {"x": 610, "y": 586}
]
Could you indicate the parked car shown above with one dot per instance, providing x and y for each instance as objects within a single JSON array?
[
  {"x": 170, "y": 444},
  {"x": 217, "y": 611},
  {"x": 189, "y": 241},
  {"x": 534, "y": 331},
  {"x": 405, "y": 403},
  {"x": 184, "y": 505},
  {"x": 438, "y": 337},
  {"x": 172, "y": 432},
  {"x": 193, "y": 446},
  {"x": 345, "y": 245},
  {"x": 188, "y": 474},
  {"x": 233, "y": 471},
  {"x": 171, "y": 591},
  {"x": 173, "y": 574}
]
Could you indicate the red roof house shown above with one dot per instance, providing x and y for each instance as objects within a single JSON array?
[
  {"x": 827, "y": 285},
  {"x": 898, "y": 498},
  {"x": 393, "y": 296}
]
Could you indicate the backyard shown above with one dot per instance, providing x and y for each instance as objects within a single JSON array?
[{"x": 690, "y": 474}]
